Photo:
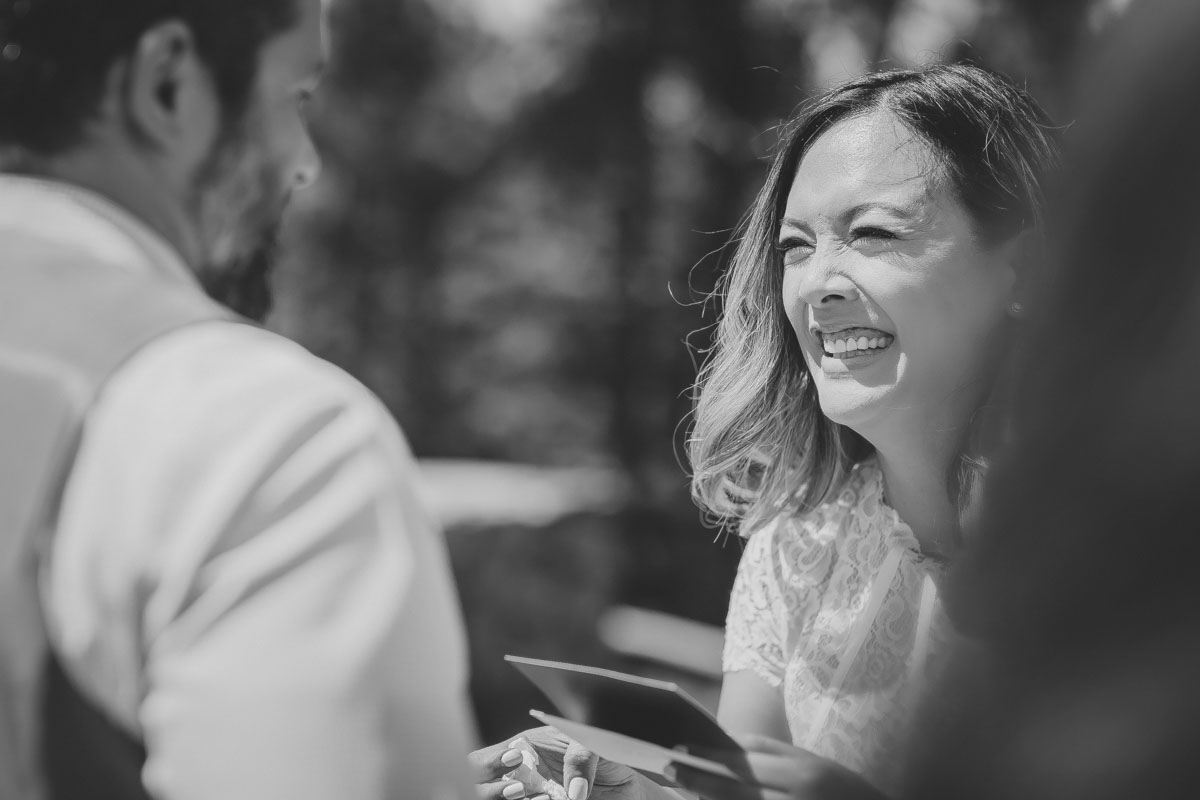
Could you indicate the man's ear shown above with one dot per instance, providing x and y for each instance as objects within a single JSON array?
[
  {"x": 168, "y": 96},
  {"x": 1021, "y": 257}
]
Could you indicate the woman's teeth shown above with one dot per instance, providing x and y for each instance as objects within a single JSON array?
[{"x": 839, "y": 344}]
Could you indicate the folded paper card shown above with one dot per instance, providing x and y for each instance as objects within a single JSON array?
[{"x": 640, "y": 722}]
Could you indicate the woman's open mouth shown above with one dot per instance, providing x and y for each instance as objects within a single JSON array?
[{"x": 853, "y": 343}]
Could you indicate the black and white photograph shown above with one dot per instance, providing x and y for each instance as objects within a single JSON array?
[{"x": 599, "y": 399}]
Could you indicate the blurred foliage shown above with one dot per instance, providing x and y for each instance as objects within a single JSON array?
[{"x": 524, "y": 203}]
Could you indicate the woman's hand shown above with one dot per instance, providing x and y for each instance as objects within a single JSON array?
[
  {"x": 583, "y": 774},
  {"x": 782, "y": 771}
]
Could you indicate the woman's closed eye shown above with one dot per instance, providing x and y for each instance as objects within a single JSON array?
[
  {"x": 794, "y": 250},
  {"x": 871, "y": 232}
]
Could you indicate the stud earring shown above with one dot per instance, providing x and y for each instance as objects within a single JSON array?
[{"x": 1016, "y": 309}]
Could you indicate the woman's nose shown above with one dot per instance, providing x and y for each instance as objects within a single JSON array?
[{"x": 822, "y": 285}]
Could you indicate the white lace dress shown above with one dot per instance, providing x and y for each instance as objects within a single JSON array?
[{"x": 838, "y": 608}]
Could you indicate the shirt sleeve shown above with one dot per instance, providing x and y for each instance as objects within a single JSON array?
[
  {"x": 244, "y": 573},
  {"x": 756, "y": 627}
]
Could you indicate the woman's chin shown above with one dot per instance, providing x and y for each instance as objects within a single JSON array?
[{"x": 857, "y": 407}]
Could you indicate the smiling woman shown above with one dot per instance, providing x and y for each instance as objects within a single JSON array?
[
  {"x": 878, "y": 249},
  {"x": 865, "y": 311},
  {"x": 865, "y": 314},
  {"x": 874, "y": 180}
]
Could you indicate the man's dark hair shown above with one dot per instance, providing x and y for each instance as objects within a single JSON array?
[{"x": 56, "y": 54}]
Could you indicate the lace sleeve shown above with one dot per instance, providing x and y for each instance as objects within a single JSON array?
[{"x": 755, "y": 630}]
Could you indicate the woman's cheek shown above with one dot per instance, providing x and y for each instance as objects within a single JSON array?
[{"x": 793, "y": 307}]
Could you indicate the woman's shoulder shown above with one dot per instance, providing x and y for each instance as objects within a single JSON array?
[
  {"x": 829, "y": 530},
  {"x": 860, "y": 495}
]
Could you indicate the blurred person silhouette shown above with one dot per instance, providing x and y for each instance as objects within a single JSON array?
[
  {"x": 867, "y": 308},
  {"x": 216, "y": 578},
  {"x": 1082, "y": 583}
]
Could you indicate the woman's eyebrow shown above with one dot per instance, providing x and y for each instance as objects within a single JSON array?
[{"x": 913, "y": 210}]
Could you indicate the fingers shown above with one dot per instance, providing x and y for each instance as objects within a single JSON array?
[
  {"x": 579, "y": 771},
  {"x": 716, "y": 787},
  {"x": 489, "y": 763},
  {"x": 501, "y": 790},
  {"x": 551, "y": 746}
]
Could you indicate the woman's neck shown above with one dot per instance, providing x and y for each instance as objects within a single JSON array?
[{"x": 914, "y": 479}]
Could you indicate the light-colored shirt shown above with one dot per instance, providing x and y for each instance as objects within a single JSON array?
[
  {"x": 837, "y": 608},
  {"x": 243, "y": 575}
]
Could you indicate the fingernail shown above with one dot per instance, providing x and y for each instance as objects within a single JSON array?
[
  {"x": 578, "y": 789},
  {"x": 511, "y": 758},
  {"x": 514, "y": 791},
  {"x": 669, "y": 772}
]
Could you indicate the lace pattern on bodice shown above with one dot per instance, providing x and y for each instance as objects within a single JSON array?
[{"x": 837, "y": 608}]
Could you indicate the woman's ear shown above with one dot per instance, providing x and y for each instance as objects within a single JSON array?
[{"x": 167, "y": 96}]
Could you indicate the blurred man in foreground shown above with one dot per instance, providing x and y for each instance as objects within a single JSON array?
[
  {"x": 211, "y": 551},
  {"x": 1081, "y": 581}
]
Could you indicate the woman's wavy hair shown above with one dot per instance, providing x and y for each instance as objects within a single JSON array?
[{"x": 759, "y": 444}]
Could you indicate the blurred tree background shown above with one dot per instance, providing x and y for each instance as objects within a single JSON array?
[{"x": 523, "y": 207}]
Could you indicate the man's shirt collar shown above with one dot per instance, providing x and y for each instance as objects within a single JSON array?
[{"x": 74, "y": 218}]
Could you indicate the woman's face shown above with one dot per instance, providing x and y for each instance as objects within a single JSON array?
[{"x": 893, "y": 301}]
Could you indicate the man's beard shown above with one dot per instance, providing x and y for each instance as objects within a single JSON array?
[
  {"x": 243, "y": 284},
  {"x": 238, "y": 202}
]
